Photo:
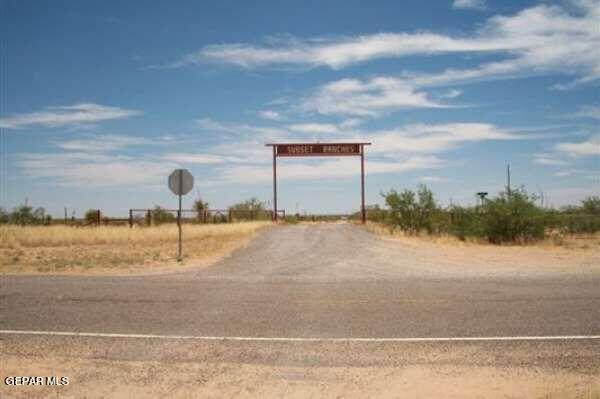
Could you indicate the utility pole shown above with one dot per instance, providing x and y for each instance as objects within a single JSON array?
[{"x": 508, "y": 179}]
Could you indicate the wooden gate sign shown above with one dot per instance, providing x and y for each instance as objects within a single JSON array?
[{"x": 318, "y": 149}]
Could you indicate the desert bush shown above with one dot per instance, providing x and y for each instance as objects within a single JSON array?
[
  {"x": 464, "y": 222},
  {"x": 160, "y": 215},
  {"x": 579, "y": 219},
  {"x": 200, "y": 207},
  {"x": 91, "y": 216},
  {"x": 513, "y": 217},
  {"x": 591, "y": 206},
  {"x": 26, "y": 215},
  {"x": 251, "y": 209},
  {"x": 374, "y": 214},
  {"x": 413, "y": 212},
  {"x": 4, "y": 216}
]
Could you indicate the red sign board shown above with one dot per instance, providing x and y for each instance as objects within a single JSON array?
[{"x": 317, "y": 149}]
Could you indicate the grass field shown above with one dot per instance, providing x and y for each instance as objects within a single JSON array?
[{"x": 64, "y": 249}]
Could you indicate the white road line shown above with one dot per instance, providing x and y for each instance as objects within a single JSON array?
[{"x": 302, "y": 339}]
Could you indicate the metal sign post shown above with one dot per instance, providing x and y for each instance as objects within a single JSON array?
[
  {"x": 320, "y": 150},
  {"x": 181, "y": 182}
]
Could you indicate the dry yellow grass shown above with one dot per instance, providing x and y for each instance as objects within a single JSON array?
[{"x": 59, "y": 249}]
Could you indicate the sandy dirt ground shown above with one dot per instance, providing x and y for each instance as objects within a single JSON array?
[
  {"x": 576, "y": 255},
  {"x": 221, "y": 370}
]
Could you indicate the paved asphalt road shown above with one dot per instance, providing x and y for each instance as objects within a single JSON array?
[{"x": 308, "y": 281}]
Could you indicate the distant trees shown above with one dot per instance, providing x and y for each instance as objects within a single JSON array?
[
  {"x": 513, "y": 217},
  {"x": 160, "y": 215},
  {"x": 200, "y": 207},
  {"x": 252, "y": 204},
  {"x": 25, "y": 215},
  {"x": 4, "y": 216},
  {"x": 591, "y": 205},
  {"x": 91, "y": 216},
  {"x": 251, "y": 209}
]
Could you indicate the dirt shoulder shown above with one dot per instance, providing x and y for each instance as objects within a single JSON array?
[
  {"x": 133, "y": 368},
  {"x": 574, "y": 255},
  {"x": 119, "y": 250}
]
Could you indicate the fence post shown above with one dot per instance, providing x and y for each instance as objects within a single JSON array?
[
  {"x": 229, "y": 216},
  {"x": 98, "y": 217},
  {"x": 149, "y": 217},
  {"x": 205, "y": 216},
  {"x": 130, "y": 218}
]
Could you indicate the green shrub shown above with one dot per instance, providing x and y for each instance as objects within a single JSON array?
[
  {"x": 464, "y": 222},
  {"x": 413, "y": 212},
  {"x": 26, "y": 215},
  {"x": 374, "y": 214},
  {"x": 4, "y": 216},
  {"x": 91, "y": 216},
  {"x": 513, "y": 217},
  {"x": 251, "y": 209},
  {"x": 160, "y": 215}
]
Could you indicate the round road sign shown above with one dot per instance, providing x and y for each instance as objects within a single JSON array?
[{"x": 181, "y": 181}]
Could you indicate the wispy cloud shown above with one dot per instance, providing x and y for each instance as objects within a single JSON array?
[
  {"x": 70, "y": 115},
  {"x": 325, "y": 169},
  {"x": 242, "y": 129},
  {"x": 470, "y": 4},
  {"x": 101, "y": 143},
  {"x": 327, "y": 128},
  {"x": 590, "y": 147},
  {"x": 435, "y": 138},
  {"x": 368, "y": 98},
  {"x": 550, "y": 161},
  {"x": 452, "y": 93},
  {"x": 537, "y": 40},
  {"x": 587, "y": 111},
  {"x": 433, "y": 179},
  {"x": 270, "y": 115},
  {"x": 93, "y": 170}
]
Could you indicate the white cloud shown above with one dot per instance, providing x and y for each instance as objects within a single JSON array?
[
  {"x": 396, "y": 150},
  {"x": 470, "y": 4},
  {"x": 589, "y": 147},
  {"x": 538, "y": 40},
  {"x": 93, "y": 170},
  {"x": 243, "y": 130},
  {"x": 452, "y": 93},
  {"x": 326, "y": 169},
  {"x": 578, "y": 172},
  {"x": 270, "y": 114},
  {"x": 101, "y": 143},
  {"x": 327, "y": 128},
  {"x": 366, "y": 98},
  {"x": 430, "y": 139},
  {"x": 550, "y": 161},
  {"x": 337, "y": 53},
  {"x": 588, "y": 111},
  {"x": 350, "y": 123},
  {"x": 194, "y": 158},
  {"x": 433, "y": 179},
  {"x": 71, "y": 115}
]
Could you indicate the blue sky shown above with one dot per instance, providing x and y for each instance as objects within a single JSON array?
[{"x": 101, "y": 100}]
